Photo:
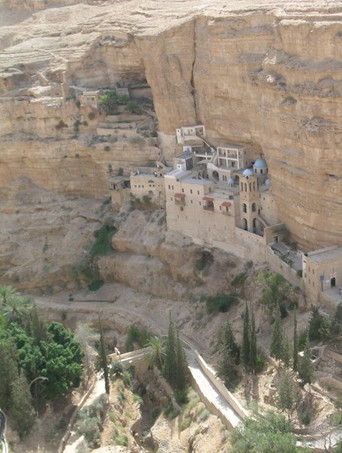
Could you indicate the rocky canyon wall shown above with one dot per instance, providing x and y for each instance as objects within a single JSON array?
[{"x": 266, "y": 75}]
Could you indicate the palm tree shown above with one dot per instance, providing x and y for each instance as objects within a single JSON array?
[
  {"x": 6, "y": 294},
  {"x": 155, "y": 354},
  {"x": 16, "y": 308}
]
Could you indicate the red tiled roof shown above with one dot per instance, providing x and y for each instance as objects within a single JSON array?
[
  {"x": 179, "y": 195},
  {"x": 226, "y": 204},
  {"x": 207, "y": 199}
]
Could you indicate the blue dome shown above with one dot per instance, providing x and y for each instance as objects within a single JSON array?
[
  {"x": 260, "y": 163},
  {"x": 247, "y": 172},
  {"x": 231, "y": 181},
  {"x": 267, "y": 183}
]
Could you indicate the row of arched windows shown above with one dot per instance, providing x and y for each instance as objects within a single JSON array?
[{"x": 244, "y": 207}]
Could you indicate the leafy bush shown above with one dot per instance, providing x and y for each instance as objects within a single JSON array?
[
  {"x": 103, "y": 243},
  {"x": 240, "y": 279},
  {"x": 89, "y": 421},
  {"x": 133, "y": 107},
  {"x": 95, "y": 285},
  {"x": 109, "y": 102},
  {"x": 121, "y": 440},
  {"x": 205, "y": 260},
  {"x": 137, "y": 140},
  {"x": 221, "y": 303},
  {"x": 318, "y": 325},
  {"x": 171, "y": 411},
  {"x": 91, "y": 115},
  {"x": 138, "y": 336}
]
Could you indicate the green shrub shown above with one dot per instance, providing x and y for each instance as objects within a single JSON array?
[
  {"x": 336, "y": 419},
  {"x": 220, "y": 303},
  {"x": 306, "y": 417},
  {"x": 109, "y": 102},
  {"x": 186, "y": 422},
  {"x": 91, "y": 115},
  {"x": 138, "y": 336},
  {"x": 205, "y": 260},
  {"x": 133, "y": 107},
  {"x": 89, "y": 421},
  {"x": 137, "y": 140},
  {"x": 171, "y": 411},
  {"x": 121, "y": 440},
  {"x": 116, "y": 368},
  {"x": 103, "y": 243},
  {"x": 95, "y": 285},
  {"x": 181, "y": 396},
  {"x": 240, "y": 279},
  {"x": 77, "y": 126},
  {"x": 106, "y": 148}
]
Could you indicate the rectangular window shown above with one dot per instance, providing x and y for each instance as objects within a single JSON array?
[
  {"x": 190, "y": 190},
  {"x": 182, "y": 190}
]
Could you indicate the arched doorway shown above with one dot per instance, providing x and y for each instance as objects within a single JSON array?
[
  {"x": 333, "y": 282},
  {"x": 245, "y": 224},
  {"x": 215, "y": 175}
]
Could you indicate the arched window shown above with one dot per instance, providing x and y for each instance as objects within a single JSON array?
[
  {"x": 245, "y": 224},
  {"x": 242, "y": 187},
  {"x": 253, "y": 207},
  {"x": 244, "y": 207}
]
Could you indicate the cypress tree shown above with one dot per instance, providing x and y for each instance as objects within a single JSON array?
[
  {"x": 228, "y": 343},
  {"x": 253, "y": 346},
  {"x": 246, "y": 346},
  {"x": 305, "y": 366},
  {"x": 170, "y": 364},
  {"x": 295, "y": 342},
  {"x": 277, "y": 342},
  {"x": 288, "y": 392},
  {"x": 8, "y": 372},
  {"x": 21, "y": 410},
  {"x": 182, "y": 366},
  {"x": 103, "y": 360}
]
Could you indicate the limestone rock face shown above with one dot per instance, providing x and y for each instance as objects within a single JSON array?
[{"x": 266, "y": 75}]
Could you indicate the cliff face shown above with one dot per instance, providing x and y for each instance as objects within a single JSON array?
[{"x": 268, "y": 76}]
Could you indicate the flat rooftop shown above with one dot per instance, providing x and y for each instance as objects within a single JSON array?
[
  {"x": 326, "y": 254},
  {"x": 200, "y": 182}
]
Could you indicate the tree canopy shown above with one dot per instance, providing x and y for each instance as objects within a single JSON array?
[
  {"x": 270, "y": 433},
  {"x": 47, "y": 356}
]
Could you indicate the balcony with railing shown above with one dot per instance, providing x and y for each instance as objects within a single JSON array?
[
  {"x": 180, "y": 199},
  {"x": 208, "y": 204},
  {"x": 225, "y": 207}
]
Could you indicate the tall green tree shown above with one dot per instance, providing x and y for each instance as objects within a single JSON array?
[
  {"x": 246, "y": 343},
  {"x": 21, "y": 410},
  {"x": 103, "y": 359},
  {"x": 275, "y": 292},
  {"x": 175, "y": 368},
  {"x": 295, "y": 343},
  {"x": 279, "y": 347},
  {"x": 169, "y": 370},
  {"x": 229, "y": 355},
  {"x": 8, "y": 371},
  {"x": 288, "y": 392},
  {"x": 182, "y": 370},
  {"x": 253, "y": 354},
  {"x": 305, "y": 365}
]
